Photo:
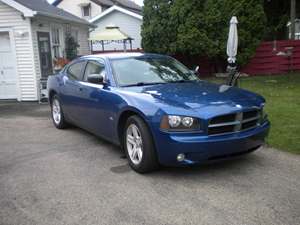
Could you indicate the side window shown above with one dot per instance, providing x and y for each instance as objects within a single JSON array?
[
  {"x": 75, "y": 70},
  {"x": 93, "y": 67}
]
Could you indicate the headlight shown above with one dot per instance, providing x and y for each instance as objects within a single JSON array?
[
  {"x": 174, "y": 121},
  {"x": 179, "y": 123}
]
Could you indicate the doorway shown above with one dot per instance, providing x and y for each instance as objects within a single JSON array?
[{"x": 45, "y": 54}]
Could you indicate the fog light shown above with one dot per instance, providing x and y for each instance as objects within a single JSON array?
[{"x": 180, "y": 157}]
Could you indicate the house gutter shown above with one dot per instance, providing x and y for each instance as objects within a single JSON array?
[{"x": 65, "y": 19}]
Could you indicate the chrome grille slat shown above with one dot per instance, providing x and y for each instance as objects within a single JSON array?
[
  {"x": 251, "y": 119},
  {"x": 224, "y": 124},
  {"x": 243, "y": 121}
]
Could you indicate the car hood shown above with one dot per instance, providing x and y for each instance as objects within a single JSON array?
[{"x": 198, "y": 95}]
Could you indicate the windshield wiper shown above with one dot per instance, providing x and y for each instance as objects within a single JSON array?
[{"x": 143, "y": 84}]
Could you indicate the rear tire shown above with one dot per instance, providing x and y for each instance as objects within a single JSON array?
[
  {"x": 57, "y": 113},
  {"x": 139, "y": 146}
]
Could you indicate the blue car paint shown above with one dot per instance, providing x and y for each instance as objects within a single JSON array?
[{"x": 98, "y": 108}]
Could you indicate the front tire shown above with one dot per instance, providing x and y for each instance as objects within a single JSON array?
[
  {"x": 139, "y": 146},
  {"x": 57, "y": 113}
]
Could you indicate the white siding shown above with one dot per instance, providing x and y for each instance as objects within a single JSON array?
[
  {"x": 73, "y": 6},
  {"x": 128, "y": 24},
  {"x": 27, "y": 85},
  {"x": 26, "y": 46},
  {"x": 45, "y": 24},
  {"x": 83, "y": 40}
]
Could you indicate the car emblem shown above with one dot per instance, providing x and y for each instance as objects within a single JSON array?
[{"x": 238, "y": 106}]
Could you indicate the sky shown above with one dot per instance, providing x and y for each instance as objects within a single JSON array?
[{"x": 140, "y": 2}]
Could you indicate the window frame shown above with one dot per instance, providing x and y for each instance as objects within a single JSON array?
[
  {"x": 81, "y": 71},
  {"x": 56, "y": 32}
]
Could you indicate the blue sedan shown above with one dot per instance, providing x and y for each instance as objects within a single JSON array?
[{"x": 156, "y": 109}]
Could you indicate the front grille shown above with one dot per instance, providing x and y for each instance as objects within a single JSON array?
[
  {"x": 234, "y": 122},
  {"x": 223, "y": 119}
]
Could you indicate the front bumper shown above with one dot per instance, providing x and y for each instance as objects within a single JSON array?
[{"x": 199, "y": 148}]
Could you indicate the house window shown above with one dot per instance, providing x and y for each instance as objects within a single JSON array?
[
  {"x": 56, "y": 43},
  {"x": 86, "y": 11}
]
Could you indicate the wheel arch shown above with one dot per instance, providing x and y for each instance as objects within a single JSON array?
[
  {"x": 123, "y": 117},
  {"x": 51, "y": 92}
]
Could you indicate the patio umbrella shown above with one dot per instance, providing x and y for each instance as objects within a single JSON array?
[{"x": 232, "y": 42}]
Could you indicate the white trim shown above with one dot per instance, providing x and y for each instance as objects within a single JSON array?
[
  {"x": 13, "y": 49},
  {"x": 37, "y": 84},
  {"x": 26, "y": 11},
  {"x": 113, "y": 8}
]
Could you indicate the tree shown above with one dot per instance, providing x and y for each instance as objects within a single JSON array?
[
  {"x": 277, "y": 12},
  {"x": 158, "y": 31},
  {"x": 200, "y": 27}
]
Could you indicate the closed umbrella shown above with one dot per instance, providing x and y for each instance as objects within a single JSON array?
[
  {"x": 232, "y": 42},
  {"x": 232, "y": 46}
]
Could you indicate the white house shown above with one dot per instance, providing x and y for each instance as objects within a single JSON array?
[
  {"x": 128, "y": 22},
  {"x": 124, "y": 14},
  {"x": 89, "y": 9},
  {"x": 32, "y": 34}
]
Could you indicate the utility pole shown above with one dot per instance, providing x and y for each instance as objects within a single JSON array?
[{"x": 293, "y": 18}]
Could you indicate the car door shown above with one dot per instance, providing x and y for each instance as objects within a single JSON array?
[
  {"x": 71, "y": 92},
  {"x": 97, "y": 101}
]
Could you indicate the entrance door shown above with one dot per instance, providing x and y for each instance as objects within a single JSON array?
[
  {"x": 8, "y": 75},
  {"x": 45, "y": 53}
]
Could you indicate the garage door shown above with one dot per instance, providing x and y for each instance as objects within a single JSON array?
[{"x": 8, "y": 76}]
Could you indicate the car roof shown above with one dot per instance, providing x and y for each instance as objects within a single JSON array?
[{"x": 122, "y": 55}]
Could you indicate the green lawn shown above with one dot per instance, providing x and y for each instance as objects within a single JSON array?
[{"x": 282, "y": 93}]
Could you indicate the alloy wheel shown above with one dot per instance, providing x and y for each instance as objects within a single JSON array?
[
  {"x": 134, "y": 144},
  {"x": 56, "y": 111}
]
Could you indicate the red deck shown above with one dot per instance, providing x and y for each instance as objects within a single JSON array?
[{"x": 267, "y": 59}]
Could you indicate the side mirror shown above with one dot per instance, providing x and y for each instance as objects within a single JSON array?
[{"x": 95, "y": 78}]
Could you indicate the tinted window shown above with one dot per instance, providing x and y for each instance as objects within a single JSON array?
[
  {"x": 93, "y": 68},
  {"x": 130, "y": 71},
  {"x": 75, "y": 70}
]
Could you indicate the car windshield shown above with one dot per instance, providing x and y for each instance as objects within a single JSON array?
[{"x": 139, "y": 71}]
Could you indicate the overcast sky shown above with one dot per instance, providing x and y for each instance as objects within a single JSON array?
[{"x": 140, "y": 2}]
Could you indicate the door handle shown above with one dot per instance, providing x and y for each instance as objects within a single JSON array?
[
  {"x": 80, "y": 89},
  {"x": 2, "y": 72}
]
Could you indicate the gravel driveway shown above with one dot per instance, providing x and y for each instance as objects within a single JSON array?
[{"x": 50, "y": 176}]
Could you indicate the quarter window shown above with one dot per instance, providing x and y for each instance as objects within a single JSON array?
[
  {"x": 75, "y": 70},
  {"x": 93, "y": 68}
]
